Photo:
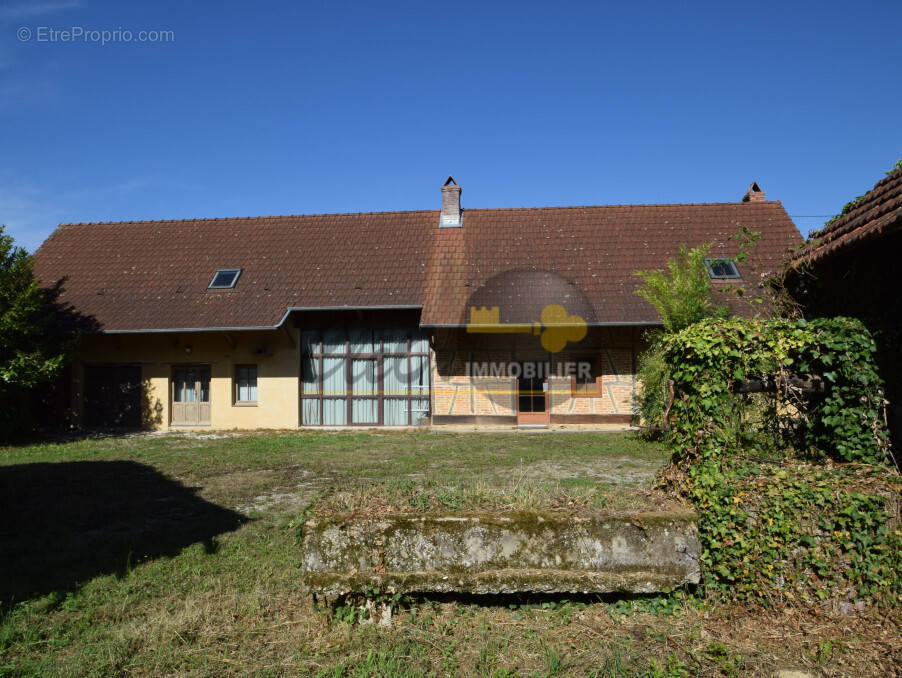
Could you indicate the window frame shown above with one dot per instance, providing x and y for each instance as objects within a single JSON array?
[
  {"x": 236, "y": 271},
  {"x": 711, "y": 261},
  {"x": 236, "y": 388}
]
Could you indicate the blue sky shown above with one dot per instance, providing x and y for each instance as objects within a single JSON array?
[{"x": 305, "y": 107}]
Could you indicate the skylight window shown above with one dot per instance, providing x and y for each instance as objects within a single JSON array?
[
  {"x": 224, "y": 279},
  {"x": 722, "y": 268}
]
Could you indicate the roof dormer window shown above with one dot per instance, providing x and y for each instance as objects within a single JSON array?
[
  {"x": 225, "y": 279},
  {"x": 720, "y": 269}
]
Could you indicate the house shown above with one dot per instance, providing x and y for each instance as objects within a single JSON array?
[
  {"x": 849, "y": 268},
  {"x": 471, "y": 316}
]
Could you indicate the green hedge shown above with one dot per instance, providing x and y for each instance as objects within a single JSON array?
[
  {"x": 773, "y": 527},
  {"x": 801, "y": 532},
  {"x": 709, "y": 420}
]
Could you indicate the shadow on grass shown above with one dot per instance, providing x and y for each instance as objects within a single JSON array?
[
  {"x": 643, "y": 601},
  {"x": 65, "y": 523}
]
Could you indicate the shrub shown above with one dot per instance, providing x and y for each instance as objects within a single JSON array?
[
  {"x": 653, "y": 396},
  {"x": 682, "y": 294},
  {"x": 775, "y": 533},
  {"x": 711, "y": 420}
]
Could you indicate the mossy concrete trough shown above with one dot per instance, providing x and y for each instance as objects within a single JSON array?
[{"x": 521, "y": 553}]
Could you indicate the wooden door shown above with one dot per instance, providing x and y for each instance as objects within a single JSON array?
[
  {"x": 191, "y": 396},
  {"x": 532, "y": 400}
]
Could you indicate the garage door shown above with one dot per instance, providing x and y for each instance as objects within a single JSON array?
[{"x": 112, "y": 396}]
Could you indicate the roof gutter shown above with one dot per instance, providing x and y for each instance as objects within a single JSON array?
[
  {"x": 400, "y": 307},
  {"x": 649, "y": 323},
  {"x": 259, "y": 328}
]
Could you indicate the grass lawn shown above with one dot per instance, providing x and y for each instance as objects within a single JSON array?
[{"x": 177, "y": 554}]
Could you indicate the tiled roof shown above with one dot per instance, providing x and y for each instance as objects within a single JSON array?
[
  {"x": 877, "y": 212},
  {"x": 154, "y": 275}
]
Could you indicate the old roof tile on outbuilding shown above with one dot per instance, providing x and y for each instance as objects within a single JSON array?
[{"x": 877, "y": 212}]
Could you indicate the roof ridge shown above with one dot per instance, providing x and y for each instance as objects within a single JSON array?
[
  {"x": 873, "y": 209},
  {"x": 407, "y": 212},
  {"x": 872, "y": 199},
  {"x": 245, "y": 218},
  {"x": 623, "y": 204}
]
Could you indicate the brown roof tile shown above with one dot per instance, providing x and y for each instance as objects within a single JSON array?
[{"x": 153, "y": 275}]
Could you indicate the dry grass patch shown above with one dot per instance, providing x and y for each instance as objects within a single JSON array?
[{"x": 527, "y": 493}]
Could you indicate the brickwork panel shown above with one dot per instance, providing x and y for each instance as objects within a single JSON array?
[{"x": 458, "y": 392}]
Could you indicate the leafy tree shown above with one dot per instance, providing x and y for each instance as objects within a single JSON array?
[
  {"x": 32, "y": 350},
  {"x": 682, "y": 295}
]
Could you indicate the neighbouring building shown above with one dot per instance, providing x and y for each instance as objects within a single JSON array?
[
  {"x": 849, "y": 268},
  {"x": 472, "y": 316}
]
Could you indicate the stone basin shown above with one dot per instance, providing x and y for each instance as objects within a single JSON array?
[{"x": 527, "y": 552}]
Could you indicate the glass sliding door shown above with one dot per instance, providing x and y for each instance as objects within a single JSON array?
[
  {"x": 395, "y": 412},
  {"x": 364, "y": 377},
  {"x": 335, "y": 412},
  {"x": 363, "y": 381},
  {"x": 311, "y": 374},
  {"x": 394, "y": 383},
  {"x": 335, "y": 377}
]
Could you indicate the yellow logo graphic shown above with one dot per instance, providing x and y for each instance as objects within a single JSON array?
[{"x": 556, "y": 326}]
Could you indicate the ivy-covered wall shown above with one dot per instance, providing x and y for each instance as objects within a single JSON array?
[
  {"x": 763, "y": 411},
  {"x": 778, "y": 533},
  {"x": 840, "y": 414}
]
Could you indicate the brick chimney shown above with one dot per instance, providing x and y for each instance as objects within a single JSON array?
[
  {"x": 452, "y": 217},
  {"x": 754, "y": 194}
]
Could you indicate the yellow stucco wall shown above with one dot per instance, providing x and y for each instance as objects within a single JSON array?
[
  {"x": 453, "y": 391},
  {"x": 157, "y": 354}
]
